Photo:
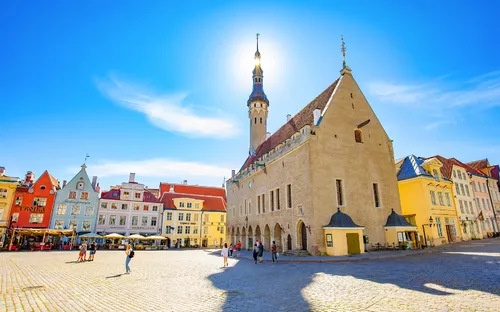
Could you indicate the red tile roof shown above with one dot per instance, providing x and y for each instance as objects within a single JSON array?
[
  {"x": 193, "y": 189},
  {"x": 301, "y": 119},
  {"x": 467, "y": 167},
  {"x": 210, "y": 203},
  {"x": 479, "y": 164},
  {"x": 448, "y": 163},
  {"x": 114, "y": 194}
]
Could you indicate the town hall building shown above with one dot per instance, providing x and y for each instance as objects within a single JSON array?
[{"x": 324, "y": 182}]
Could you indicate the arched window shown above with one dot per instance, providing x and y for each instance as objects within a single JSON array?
[
  {"x": 260, "y": 119},
  {"x": 255, "y": 119},
  {"x": 358, "y": 136}
]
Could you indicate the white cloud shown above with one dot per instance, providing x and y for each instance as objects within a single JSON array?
[
  {"x": 167, "y": 111},
  {"x": 482, "y": 91},
  {"x": 159, "y": 167},
  {"x": 437, "y": 124}
]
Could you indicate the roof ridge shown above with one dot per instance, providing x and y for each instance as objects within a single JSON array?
[
  {"x": 204, "y": 186},
  {"x": 192, "y": 194}
]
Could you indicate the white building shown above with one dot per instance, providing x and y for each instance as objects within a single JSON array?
[{"x": 129, "y": 209}]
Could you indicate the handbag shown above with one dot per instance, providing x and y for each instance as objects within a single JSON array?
[{"x": 277, "y": 254}]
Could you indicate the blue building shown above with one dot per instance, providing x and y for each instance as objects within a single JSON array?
[{"x": 75, "y": 206}]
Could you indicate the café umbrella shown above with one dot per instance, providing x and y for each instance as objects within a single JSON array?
[
  {"x": 136, "y": 236},
  {"x": 90, "y": 235},
  {"x": 114, "y": 235},
  {"x": 155, "y": 237}
]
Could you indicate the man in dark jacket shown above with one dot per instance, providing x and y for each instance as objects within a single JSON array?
[{"x": 261, "y": 251}]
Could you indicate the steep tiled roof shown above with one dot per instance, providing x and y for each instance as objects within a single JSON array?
[
  {"x": 411, "y": 168},
  {"x": 210, "y": 203},
  {"x": 447, "y": 167},
  {"x": 114, "y": 194},
  {"x": 193, "y": 189},
  {"x": 479, "y": 164},
  {"x": 301, "y": 119},
  {"x": 467, "y": 167}
]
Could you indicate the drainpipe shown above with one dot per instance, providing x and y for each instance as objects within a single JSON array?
[
  {"x": 492, "y": 204},
  {"x": 201, "y": 228}
]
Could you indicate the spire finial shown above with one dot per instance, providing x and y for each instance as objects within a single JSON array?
[
  {"x": 86, "y": 156},
  {"x": 343, "y": 50},
  {"x": 258, "y": 42}
]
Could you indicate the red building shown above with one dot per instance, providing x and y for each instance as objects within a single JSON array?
[
  {"x": 33, "y": 201},
  {"x": 191, "y": 189}
]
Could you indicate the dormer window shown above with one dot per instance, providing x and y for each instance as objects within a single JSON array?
[
  {"x": 181, "y": 204},
  {"x": 435, "y": 174}
]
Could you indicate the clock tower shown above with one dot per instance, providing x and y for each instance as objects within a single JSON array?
[{"x": 257, "y": 106}]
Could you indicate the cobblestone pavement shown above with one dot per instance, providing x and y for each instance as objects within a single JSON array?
[{"x": 465, "y": 278}]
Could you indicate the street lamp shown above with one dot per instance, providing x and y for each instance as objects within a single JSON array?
[{"x": 423, "y": 227}]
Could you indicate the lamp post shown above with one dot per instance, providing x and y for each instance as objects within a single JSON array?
[{"x": 423, "y": 227}]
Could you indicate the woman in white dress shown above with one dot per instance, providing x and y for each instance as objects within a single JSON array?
[{"x": 225, "y": 253}]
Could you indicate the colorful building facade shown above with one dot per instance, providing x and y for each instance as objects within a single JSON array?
[
  {"x": 426, "y": 200},
  {"x": 76, "y": 204},
  {"x": 129, "y": 209},
  {"x": 193, "y": 219},
  {"x": 33, "y": 201},
  {"x": 8, "y": 187}
]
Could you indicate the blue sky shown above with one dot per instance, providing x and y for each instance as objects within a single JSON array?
[{"x": 161, "y": 89}]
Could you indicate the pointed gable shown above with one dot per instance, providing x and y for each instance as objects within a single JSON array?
[
  {"x": 412, "y": 168},
  {"x": 479, "y": 164},
  {"x": 303, "y": 118}
]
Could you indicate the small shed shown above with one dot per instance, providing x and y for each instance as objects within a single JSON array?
[
  {"x": 399, "y": 232},
  {"x": 343, "y": 236}
]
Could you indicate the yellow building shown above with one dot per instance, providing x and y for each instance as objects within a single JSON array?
[
  {"x": 7, "y": 189},
  {"x": 426, "y": 200},
  {"x": 193, "y": 220}
]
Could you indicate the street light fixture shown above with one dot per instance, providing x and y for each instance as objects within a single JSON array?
[{"x": 423, "y": 227}]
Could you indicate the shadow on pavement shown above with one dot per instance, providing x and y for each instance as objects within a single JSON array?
[
  {"x": 279, "y": 286},
  {"x": 114, "y": 276}
]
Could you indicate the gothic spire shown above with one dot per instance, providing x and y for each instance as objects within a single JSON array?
[{"x": 258, "y": 76}]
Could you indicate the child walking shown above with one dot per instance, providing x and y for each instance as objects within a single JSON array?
[{"x": 225, "y": 253}]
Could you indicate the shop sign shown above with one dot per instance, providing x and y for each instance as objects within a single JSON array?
[
  {"x": 329, "y": 240},
  {"x": 38, "y": 209},
  {"x": 188, "y": 223},
  {"x": 143, "y": 227},
  {"x": 76, "y": 202}
]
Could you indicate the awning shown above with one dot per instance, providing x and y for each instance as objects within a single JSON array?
[{"x": 41, "y": 232}]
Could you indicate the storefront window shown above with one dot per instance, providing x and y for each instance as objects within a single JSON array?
[{"x": 439, "y": 227}]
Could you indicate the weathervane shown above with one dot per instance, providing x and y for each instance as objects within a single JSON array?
[
  {"x": 343, "y": 50},
  {"x": 86, "y": 156},
  {"x": 258, "y": 41}
]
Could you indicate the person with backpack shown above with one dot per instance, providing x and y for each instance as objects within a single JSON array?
[
  {"x": 255, "y": 252},
  {"x": 261, "y": 251},
  {"x": 130, "y": 254}
]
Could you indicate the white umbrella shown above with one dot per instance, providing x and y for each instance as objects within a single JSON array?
[
  {"x": 114, "y": 235},
  {"x": 136, "y": 236},
  {"x": 155, "y": 237},
  {"x": 90, "y": 235}
]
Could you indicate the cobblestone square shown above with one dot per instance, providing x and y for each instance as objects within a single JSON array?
[{"x": 463, "y": 278}]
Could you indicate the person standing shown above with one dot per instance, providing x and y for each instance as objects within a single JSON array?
[
  {"x": 225, "y": 253},
  {"x": 274, "y": 251},
  {"x": 80, "y": 254},
  {"x": 92, "y": 249},
  {"x": 130, "y": 254},
  {"x": 231, "y": 250},
  {"x": 261, "y": 251},
  {"x": 238, "y": 248},
  {"x": 255, "y": 252}
]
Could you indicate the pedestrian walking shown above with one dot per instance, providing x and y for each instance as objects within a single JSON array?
[
  {"x": 238, "y": 249},
  {"x": 80, "y": 254},
  {"x": 235, "y": 250},
  {"x": 274, "y": 251},
  {"x": 225, "y": 253},
  {"x": 231, "y": 250},
  {"x": 130, "y": 254},
  {"x": 261, "y": 251},
  {"x": 92, "y": 249},
  {"x": 255, "y": 252}
]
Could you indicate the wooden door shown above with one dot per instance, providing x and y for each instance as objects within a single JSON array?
[
  {"x": 289, "y": 242},
  {"x": 353, "y": 243},
  {"x": 304, "y": 237}
]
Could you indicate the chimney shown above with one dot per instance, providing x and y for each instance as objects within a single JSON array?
[
  {"x": 131, "y": 178},
  {"x": 317, "y": 115},
  {"x": 64, "y": 183},
  {"x": 268, "y": 134},
  {"x": 233, "y": 173},
  {"x": 29, "y": 178},
  {"x": 288, "y": 117},
  {"x": 185, "y": 182},
  {"x": 97, "y": 188},
  {"x": 94, "y": 182},
  {"x": 2, "y": 171},
  {"x": 171, "y": 188}
]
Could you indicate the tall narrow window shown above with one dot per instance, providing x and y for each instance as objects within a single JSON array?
[
  {"x": 376, "y": 196},
  {"x": 260, "y": 119},
  {"x": 358, "y": 136},
  {"x": 340, "y": 193},
  {"x": 433, "y": 197},
  {"x": 457, "y": 188},
  {"x": 448, "y": 202},
  {"x": 289, "y": 195},
  {"x": 271, "y": 197},
  {"x": 246, "y": 209},
  {"x": 258, "y": 204},
  {"x": 439, "y": 227},
  {"x": 435, "y": 174},
  {"x": 278, "y": 199},
  {"x": 263, "y": 203},
  {"x": 255, "y": 119},
  {"x": 440, "y": 196}
]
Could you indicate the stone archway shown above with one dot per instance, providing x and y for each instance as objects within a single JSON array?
[
  {"x": 250, "y": 240},
  {"x": 258, "y": 235},
  {"x": 301, "y": 235},
  {"x": 289, "y": 242},
  {"x": 277, "y": 236},
  {"x": 267, "y": 238},
  {"x": 237, "y": 237}
]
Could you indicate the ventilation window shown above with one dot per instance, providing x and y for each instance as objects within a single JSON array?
[
  {"x": 352, "y": 97},
  {"x": 255, "y": 119},
  {"x": 352, "y": 105},
  {"x": 261, "y": 120},
  {"x": 358, "y": 136},
  {"x": 42, "y": 187}
]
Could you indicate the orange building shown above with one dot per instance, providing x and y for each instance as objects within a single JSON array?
[{"x": 33, "y": 201}]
